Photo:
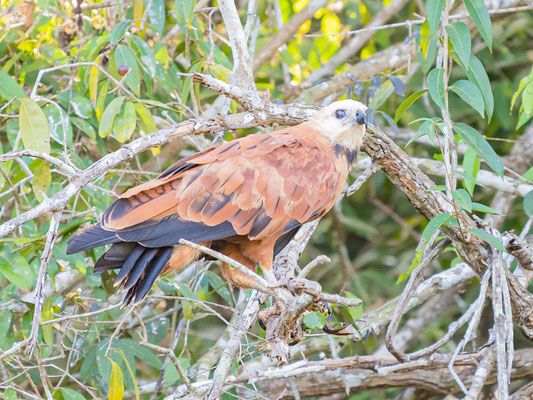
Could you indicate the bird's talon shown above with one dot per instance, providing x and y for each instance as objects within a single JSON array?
[{"x": 336, "y": 331}]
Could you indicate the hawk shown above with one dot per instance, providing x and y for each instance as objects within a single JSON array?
[{"x": 245, "y": 199}]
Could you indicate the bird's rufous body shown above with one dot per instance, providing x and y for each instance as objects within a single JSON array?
[{"x": 245, "y": 199}]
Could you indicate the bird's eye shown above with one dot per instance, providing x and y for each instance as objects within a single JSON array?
[{"x": 340, "y": 114}]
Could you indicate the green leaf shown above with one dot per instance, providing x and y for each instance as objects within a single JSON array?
[
  {"x": 84, "y": 126},
  {"x": 119, "y": 31},
  {"x": 528, "y": 176},
  {"x": 108, "y": 117},
  {"x": 434, "y": 11},
  {"x": 9, "y": 87},
  {"x": 116, "y": 382},
  {"x": 459, "y": 35},
  {"x": 33, "y": 126},
  {"x": 478, "y": 143},
  {"x": 471, "y": 164},
  {"x": 480, "y": 15},
  {"x": 132, "y": 374},
  {"x": 17, "y": 271},
  {"x": 48, "y": 330},
  {"x": 476, "y": 74},
  {"x": 10, "y": 394},
  {"x": 492, "y": 240},
  {"x": 156, "y": 15},
  {"x": 219, "y": 286},
  {"x": 462, "y": 197},
  {"x": 525, "y": 81},
  {"x": 124, "y": 124},
  {"x": 171, "y": 374},
  {"x": 147, "y": 121},
  {"x": 184, "y": 11},
  {"x": 408, "y": 102},
  {"x": 435, "y": 223},
  {"x": 485, "y": 209},
  {"x": 42, "y": 177},
  {"x": 82, "y": 107},
  {"x": 124, "y": 56},
  {"x": 528, "y": 203},
  {"x": 470, "y": 94},
  {"x": 70, "y": 394},
  {"x": 314, "y": 320},
  {"x": 527, "y": 100},
  {"x": 436, "y": 86},
  {"x": 415, "y": 263},
  {"x": 139, "y": 351},
  {"x": 425, "y": 38}
]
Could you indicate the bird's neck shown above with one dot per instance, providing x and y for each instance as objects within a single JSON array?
[{"x": 350, "y": 154}]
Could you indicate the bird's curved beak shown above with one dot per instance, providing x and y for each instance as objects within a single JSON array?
[{"x": 360, "y": 118}]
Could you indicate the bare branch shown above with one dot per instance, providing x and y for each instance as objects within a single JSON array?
[{"x": 242, "y": 67}]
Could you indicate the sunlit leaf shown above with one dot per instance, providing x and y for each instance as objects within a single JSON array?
[
  {"x": 132, "y": 374},
  {"x": 33, "y": 126},
  {"x": 525, "y": 81},
  {"x": 480, "y": 145},
  {"x": 108, "y": 117},
  {"x": 116, "y": 382},
  {"x": 425, "y": 38},
  {"x": 147, "y": 121},
  {"x": 408, "y": 102},
  {"x": 42, "y": 177},
  {"x": 93, "y": 81},
  {"x": 48, "y": 330},
  {"x": 125, "y": 122}
]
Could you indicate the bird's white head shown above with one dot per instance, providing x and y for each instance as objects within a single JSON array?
[{"x": 342, "y": 122}]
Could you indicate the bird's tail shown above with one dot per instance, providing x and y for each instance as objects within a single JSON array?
[
  {"x": 140, "y": 266},
  {"x": 89, "y": 238}
]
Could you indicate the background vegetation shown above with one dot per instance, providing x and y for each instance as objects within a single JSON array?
[{"x": 80, "y": 79}]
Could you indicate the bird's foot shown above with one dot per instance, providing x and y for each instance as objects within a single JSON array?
[
  {"x": 268, "y": 312},
  {"x": 324, "y": 307}
]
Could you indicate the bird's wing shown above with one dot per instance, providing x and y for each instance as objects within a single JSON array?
[{"x": 262, "y": 186}]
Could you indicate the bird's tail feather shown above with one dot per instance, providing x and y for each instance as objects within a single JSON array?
[
  {"x": 138, "y": 266},
  {"x": 89, "y": 238}
]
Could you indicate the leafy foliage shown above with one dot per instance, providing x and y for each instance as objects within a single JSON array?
[{"x": 78, "y": 84}]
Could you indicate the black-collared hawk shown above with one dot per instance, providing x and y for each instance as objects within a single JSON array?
[{"x": 245, "y": 199}]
